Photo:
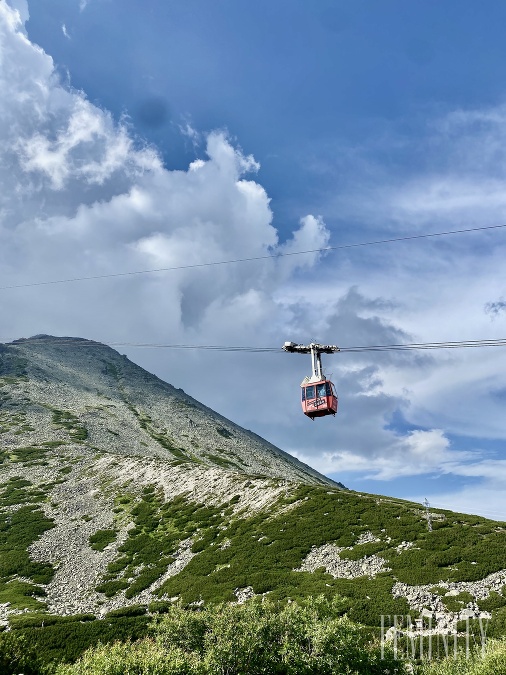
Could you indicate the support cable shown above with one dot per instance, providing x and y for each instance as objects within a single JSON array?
[{"x": 260, "y": 257}]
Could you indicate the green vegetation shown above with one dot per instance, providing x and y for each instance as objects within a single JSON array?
[
  {"x": 494, "y": 601},
  {"x": 224, "y": 432},
  {"x": 18, "y": 529},
  {"x": 22, "y": 595},
  {"x": 102, "y": 538},
  {"x": 166, "y": 442},
  {"x": 491, "y": 662},
  {"x": 18, "y": 655},
  {"x": 36, "y": 651},
  {"x": 313, "y": 638},
  {"x": 221, "y": 461},
  {"x": 29, "y": 455},
  {"x": 264, "y": 551},
  {"x": 37, "y": 620},
  {"x": 64, "y": 419},
  {"x": 149, "y": 548},
  {"x": 454, "y": 603},
  {"x": 132, "y": 610}
]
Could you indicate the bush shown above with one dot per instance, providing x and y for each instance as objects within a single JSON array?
[
  {"x": 132, "y": 610},
  {"x": 159, "y": 607},
  {"x": 492, "y": 662},
  {"x": 102, "y": 538},
  {"x": 17, "y": 655},
  {"x": 143, "y": 658},
  {"x": 18, "y": 621},
  {"x": 254, "y": 638},
  {"x": 65, "y": 642},
  {"x": 494, "y": 601}
]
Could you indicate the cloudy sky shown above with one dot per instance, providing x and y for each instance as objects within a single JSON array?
[{"x": 136, "y": 136}]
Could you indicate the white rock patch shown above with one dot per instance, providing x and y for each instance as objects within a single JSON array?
[{"x": 327, "y": 556}]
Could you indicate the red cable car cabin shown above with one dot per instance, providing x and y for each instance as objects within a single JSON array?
[{"x": 318, "y": 398}]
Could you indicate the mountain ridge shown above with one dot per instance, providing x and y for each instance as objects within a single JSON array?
[{"x": 174, "y": 414}]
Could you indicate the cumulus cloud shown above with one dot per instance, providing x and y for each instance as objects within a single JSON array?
[{"x": 82, "y": 197}]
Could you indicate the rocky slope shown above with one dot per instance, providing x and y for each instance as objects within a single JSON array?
[{"x": 52, "y": 386}]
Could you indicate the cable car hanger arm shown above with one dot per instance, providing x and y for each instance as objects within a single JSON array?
[{"x": 294, "y": 348}]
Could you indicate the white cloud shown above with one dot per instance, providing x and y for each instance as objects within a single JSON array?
[
  {"x": 21, "y": 9},
  {"x": 82, "y": 199},
  {"x": 438, "y": 289},
  {"x": 416, "y": 453}
]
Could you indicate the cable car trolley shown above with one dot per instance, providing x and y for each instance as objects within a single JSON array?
[{"x": 318, "y": 394}]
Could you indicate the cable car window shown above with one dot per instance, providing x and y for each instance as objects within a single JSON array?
[
  {"x": 333, "y": 390},
  {"x": 320, "y": 390},
  {"x": 310, "y": 392},
  {"x": 329, "y": 388},
  {"x": 303, "y": 390}
]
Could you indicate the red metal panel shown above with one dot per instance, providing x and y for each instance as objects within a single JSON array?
[{"x": 318, "y": 406}]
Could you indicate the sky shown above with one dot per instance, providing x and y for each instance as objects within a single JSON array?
[{"x": 137, "y": 136}]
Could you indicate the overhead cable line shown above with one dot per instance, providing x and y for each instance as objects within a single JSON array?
[
  {"x": 79, "y": 342},
  {"x": 273, "y": 256}
]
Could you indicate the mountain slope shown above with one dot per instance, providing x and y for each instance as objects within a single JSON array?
[
  {"x": 116, "y": 489},
  {"x": 74, "y": 390}
]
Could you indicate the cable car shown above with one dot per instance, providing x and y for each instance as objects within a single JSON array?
[
  {"x": 318, "y": 394},
  {"x": 318, "y": 399}
]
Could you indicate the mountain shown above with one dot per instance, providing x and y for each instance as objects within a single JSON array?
[
  {"x": 71, "y": 390},
  {"x": 116, "y": 489}
]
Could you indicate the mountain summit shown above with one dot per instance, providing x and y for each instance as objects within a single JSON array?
[{"x": 72, "y": 390}]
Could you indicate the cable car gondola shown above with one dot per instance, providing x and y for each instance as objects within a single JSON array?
[{"x": 318, "y": 394}]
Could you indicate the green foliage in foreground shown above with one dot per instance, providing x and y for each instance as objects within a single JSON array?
[
  {"x": 491, "y": 662},
  {"x": 254, "y": 638},
  {"x": 36, "y": 651},
  {"x": 17, "y": 655},
  {"x": 310, "y": 638}
]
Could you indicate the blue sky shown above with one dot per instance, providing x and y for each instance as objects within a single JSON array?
[
  {"x": 141, "y": 135},
  {"x": 292, "y": 81}
]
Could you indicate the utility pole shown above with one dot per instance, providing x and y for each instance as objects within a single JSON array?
[{"x": 429, "y": 517}]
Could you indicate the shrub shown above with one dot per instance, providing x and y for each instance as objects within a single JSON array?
[
  {"x": 132, "y": 610},
  {"x": 494, "y": 601},
  {"x": 102, "y": 538},
  {"x": 17, "y": 655},
  {"x": 254, "y": 638}
]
